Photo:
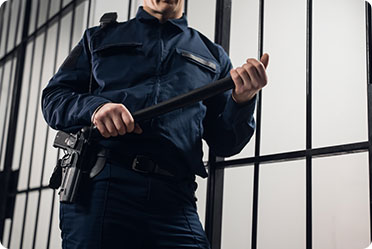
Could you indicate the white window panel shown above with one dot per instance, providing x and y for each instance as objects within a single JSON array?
[
  {"x": 18, "y": 221},
  {"x": 54, "y": 7},
  {"x": 282, "y": 206},
  {"x": 50, "y": 157},
  {"x": 7, "y": 225},
  {"x": 339, "y": 73},
  {"x": 80, "y": 22},
  {"x": 284, "y": 98},
  {"x": 43, "y": 11},
  {"x": 201, "y": 195},
  {"x": 44, "y": 219},
  {"x": 341, "y": 202},
  {"x": 30, "y": 220},
  {"x": 64, "y": 39},
  {"x": 237, "y": 208},
  {"x": 204, "y": 22}
]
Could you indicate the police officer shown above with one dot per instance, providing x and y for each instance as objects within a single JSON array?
[{"x": 144, "y": 196}]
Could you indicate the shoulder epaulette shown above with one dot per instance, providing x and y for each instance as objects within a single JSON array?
[{"x": 108, "y": 18}]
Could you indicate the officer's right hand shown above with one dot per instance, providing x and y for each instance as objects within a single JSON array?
[{"x": 114, "y": 119}]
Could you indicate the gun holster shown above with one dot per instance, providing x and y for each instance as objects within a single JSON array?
[{"x": 82, "y": 158}]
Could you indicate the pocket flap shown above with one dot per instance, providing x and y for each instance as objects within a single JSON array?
[
  {"x": 118, "y": 47},
  {"x": 198, "y": 59}
]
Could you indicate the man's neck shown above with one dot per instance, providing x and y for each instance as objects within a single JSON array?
[{"x": 162, "y": 17}]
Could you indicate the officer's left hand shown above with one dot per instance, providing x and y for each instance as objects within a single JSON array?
[{"x": 249, "y": 79}]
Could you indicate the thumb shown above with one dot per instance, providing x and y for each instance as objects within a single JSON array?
[{"x": 265, "y": 59}]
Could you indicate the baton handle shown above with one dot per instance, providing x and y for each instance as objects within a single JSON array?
[{"x": 183, "y": 100}]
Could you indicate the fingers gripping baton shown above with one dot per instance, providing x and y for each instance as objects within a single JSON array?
[{"x": 78, "y": 147}]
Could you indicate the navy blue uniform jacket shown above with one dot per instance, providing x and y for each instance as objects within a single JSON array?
[{"x": 143, "y": 62}]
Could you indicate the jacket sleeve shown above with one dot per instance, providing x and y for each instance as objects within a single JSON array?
[
  {"x": 228, "y": 126},
  {"x": 66, "y": 102}
]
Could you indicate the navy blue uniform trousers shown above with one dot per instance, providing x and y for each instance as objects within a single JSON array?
[{"x": 121, "y": 208}]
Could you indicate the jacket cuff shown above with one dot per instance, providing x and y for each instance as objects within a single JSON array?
[
  {"x": 96, "y": 110},
  {"x": 235, "y": 113},
  {"x": 96, "y": 105}
]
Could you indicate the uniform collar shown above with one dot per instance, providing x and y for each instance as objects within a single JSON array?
[{"x": 143, "y": 16}]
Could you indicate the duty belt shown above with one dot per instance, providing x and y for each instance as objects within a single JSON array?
[{"x": 138, "y": 163}]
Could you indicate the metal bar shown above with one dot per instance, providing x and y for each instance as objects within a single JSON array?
[
  {"x": 54, "y": 70},
  {"x": 369, "y": 97},
  {"x": 185, "y": 6},
  {"x": 18, "y": 20},
  {"x": 309, "y": 47},
  {"x": 2, "y": 17},
  {"x": 51, "y": 219},
  {"x": 9, "y": 6},
  {"x": 88, "y": 13},
  {"x": 33, "y": 135},
  {"x": 14, "y": 113},
  {"x": 296, "y": 155},
  {"x": 41, "y": 188},
  {"x": 129, "y": 9},
  {"x": 47, "y": 131},
  {"x": 8, "y": 55},
  {"x": 223, "y": 23},
  {"x": 256, "y": 175},
  {"x": 72, "y": 24},
  {"x": 213, "y": 220}
]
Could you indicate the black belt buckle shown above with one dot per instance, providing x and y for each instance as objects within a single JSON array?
[{"x": 143, "y": 164}]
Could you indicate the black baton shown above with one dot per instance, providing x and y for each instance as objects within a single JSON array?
[{"x": 183, "y": 100}]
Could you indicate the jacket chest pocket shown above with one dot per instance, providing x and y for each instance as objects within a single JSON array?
[
  {"x": 200, "y": 69},
  {"x": 119, "y": 65}
]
